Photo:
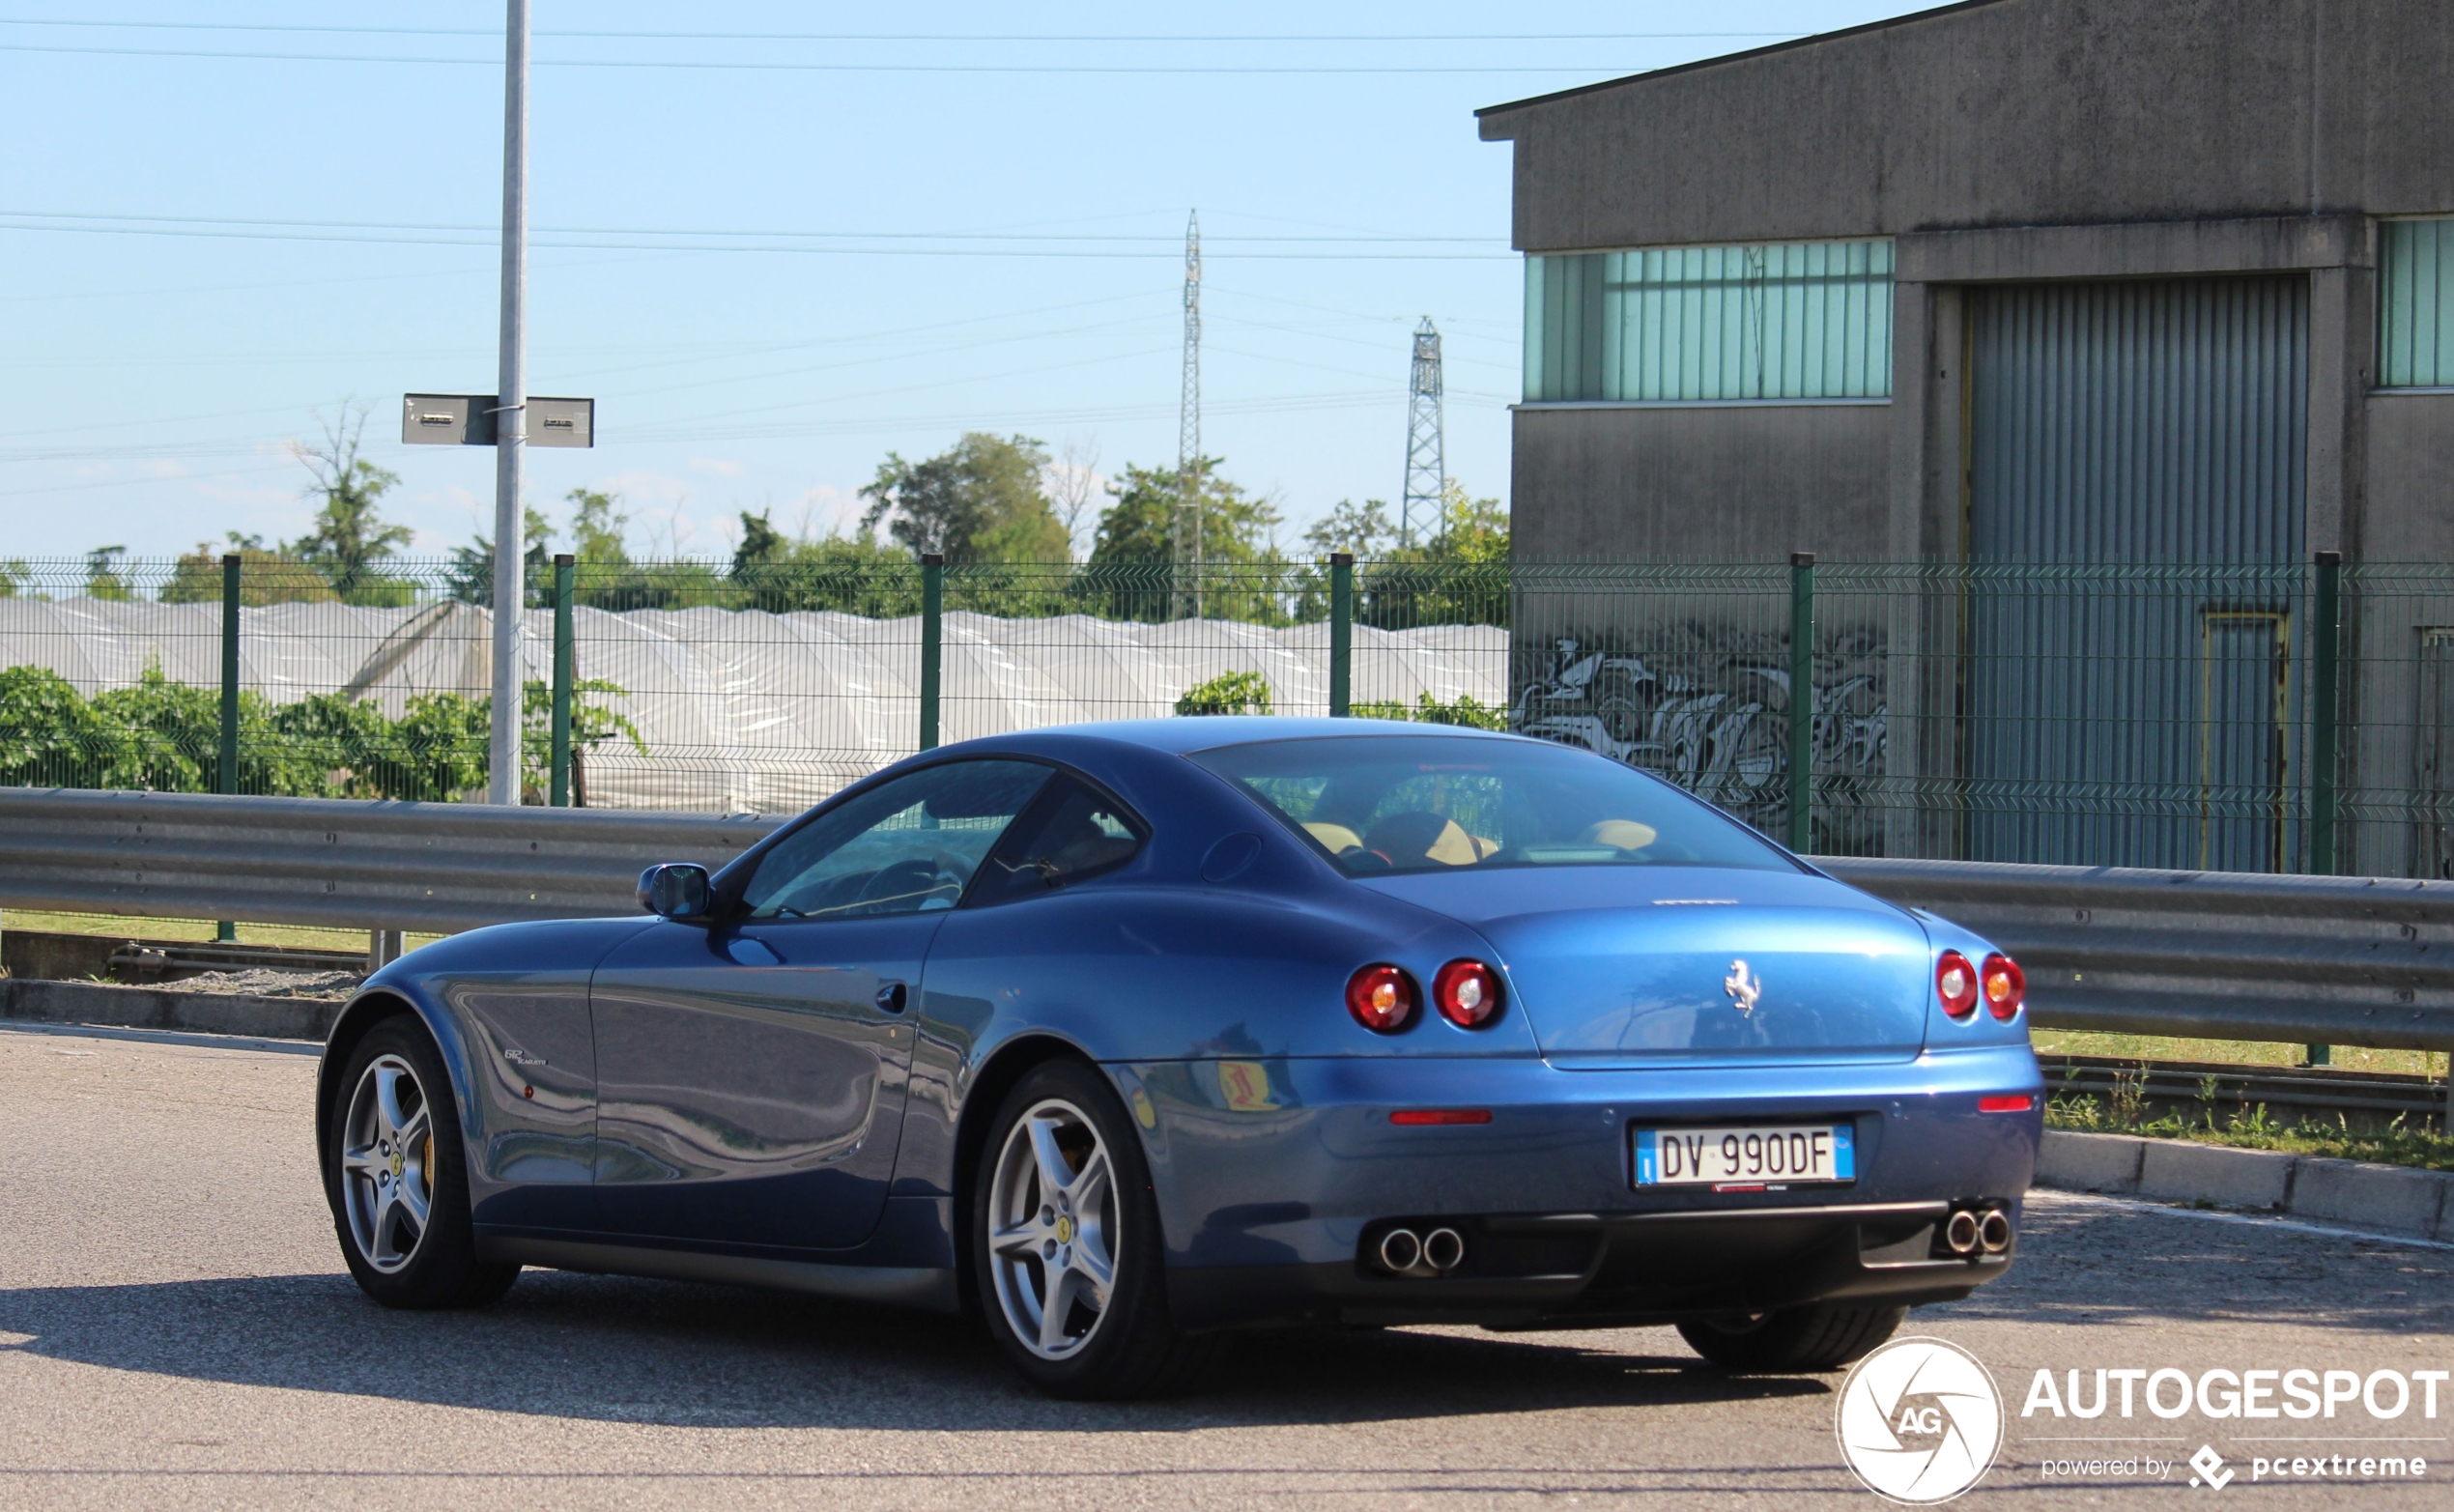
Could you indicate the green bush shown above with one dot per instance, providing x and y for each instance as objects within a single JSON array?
[
  {"x": 1228, "y": 693},
  {"x": 157, "y": 735},
  {"x": 1466, "y": 712}
]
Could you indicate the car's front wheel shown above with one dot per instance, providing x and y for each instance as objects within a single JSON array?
[
  {"x": 396, "y": 1174},
  {"x": 1793, "y": 1338},
  {"x": 1066, "y": 1246}
]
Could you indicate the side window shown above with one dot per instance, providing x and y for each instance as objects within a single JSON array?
[
  {"x": 909, "y": 846},
  {"x": 1070, "y": 833}
]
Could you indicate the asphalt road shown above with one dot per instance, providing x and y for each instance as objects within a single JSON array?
[{"x": 176, "y": 1330}]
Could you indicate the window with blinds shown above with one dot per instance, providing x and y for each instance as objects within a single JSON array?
[
  {"x": 2416, "y": 305},
  {"x": 1804, "y": 320}
]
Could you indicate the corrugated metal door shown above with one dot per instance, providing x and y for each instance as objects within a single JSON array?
[{"x": 2107, "y": 720}]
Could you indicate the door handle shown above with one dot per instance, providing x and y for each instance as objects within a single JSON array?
[{"x": 890, "y": 997}]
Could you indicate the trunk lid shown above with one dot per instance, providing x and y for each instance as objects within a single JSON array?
[{"x": 1629, "y": 966}]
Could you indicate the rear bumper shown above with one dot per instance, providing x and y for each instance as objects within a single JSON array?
[
  {"x": 1272, "y": 1175},
  {"x": 1624, "y": 1269}
]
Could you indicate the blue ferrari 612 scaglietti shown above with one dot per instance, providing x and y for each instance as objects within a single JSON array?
[{"x": 1132, "y": 1036}]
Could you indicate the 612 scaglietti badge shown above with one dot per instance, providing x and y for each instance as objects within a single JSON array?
[{"x": 1130, "y": 1036}]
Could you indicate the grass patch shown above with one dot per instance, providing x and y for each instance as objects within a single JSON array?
[
  {"x": 2235, "y": 1052},
  {"x": 198, "y": 930},
  {"x": 2399, "y": 1143}
]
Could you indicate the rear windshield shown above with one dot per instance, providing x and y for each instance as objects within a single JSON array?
[{"x": 1382, "y": 804}]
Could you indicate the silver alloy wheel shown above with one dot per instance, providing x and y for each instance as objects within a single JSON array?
[
  {"x": 1053, "y": 1236},
  {"x": 387, "y": 1163}
]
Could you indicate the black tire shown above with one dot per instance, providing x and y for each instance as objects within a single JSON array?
[
  {"x": 1792, "y": 1339},
  {"x": 412, "y": 1265},
  {"x": 1132, "y": 1347}
]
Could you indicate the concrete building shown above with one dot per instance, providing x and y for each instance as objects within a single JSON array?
[
  {"x": 2007, "y": 284},
  {"x": 2035, "y": 181}
]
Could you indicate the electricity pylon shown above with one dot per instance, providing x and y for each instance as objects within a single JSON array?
[
  {"x": 1187, "y": 552},
  {"x": 1426, "y": 473}
]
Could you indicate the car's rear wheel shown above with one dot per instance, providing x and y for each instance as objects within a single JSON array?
[
  {"x": 1066, "y": 1246},
  {"x": 396, "y": 1174},
  {"x": 1792, "y": 1338}
]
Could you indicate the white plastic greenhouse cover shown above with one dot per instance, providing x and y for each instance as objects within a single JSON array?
[{"x": 744, "y": 711}]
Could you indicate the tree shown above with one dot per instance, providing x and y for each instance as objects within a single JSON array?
[
  {"x": 1473, "y": 531},
  {"x": 1365, "y": 531},
  {"x": 605, "y": 577},
  {"x": 1072, "y": 482},
  {"x": 16, "y": 579},
  {"x": 1132, "y": 563},
  {"x": 471, "y": 576},
  {"x": 266, "y": 576},
  {"x": 982, "y": 500},
  {"x": 854, "y": 574},
  {"x": 350, "y": 540},
  {"x": 1235, "y": 527},
  {"x": 103, "y": 577},
  {"x": 597, "y": 529},
  {"x": 1458, "y": 577}
]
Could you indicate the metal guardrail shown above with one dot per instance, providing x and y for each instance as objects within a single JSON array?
[
  {"x": 347, "y": 863},
  {"x": 2204, "y": 954},
  {"x": 2335, "y": 960}
]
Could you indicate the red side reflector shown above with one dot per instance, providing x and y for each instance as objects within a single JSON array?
[
  {"x": 1418, "y": 1117},
  {"x": 2008, "y": 1102}
]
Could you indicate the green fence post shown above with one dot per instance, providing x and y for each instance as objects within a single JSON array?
[
  {"x": 1802, "y": 699},
  {"x": 1341, "y": 634},
  {"x": 227, "y": 929},
  {"x": 932, "y": 643},
  {"x": 558, "y": 778},
  {"x": 2326, "y": 652}
]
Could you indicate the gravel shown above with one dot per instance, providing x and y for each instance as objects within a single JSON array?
[{"x": 271, "y": 982}]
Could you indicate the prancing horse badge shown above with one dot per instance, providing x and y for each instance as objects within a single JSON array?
[{"x": 1743, "y": 987}]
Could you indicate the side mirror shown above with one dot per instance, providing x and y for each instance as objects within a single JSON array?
[{"x": 675, "y": 890}]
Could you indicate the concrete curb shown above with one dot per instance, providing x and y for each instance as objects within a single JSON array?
[
  {"x": 2388, "y": 1199},
  {"x": 157, "y": 1008}
]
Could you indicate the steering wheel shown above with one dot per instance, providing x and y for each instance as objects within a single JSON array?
[{"x": 907, "y": 878}]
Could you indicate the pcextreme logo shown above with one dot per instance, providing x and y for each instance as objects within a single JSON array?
[{"x": 1919, "y": 1421}]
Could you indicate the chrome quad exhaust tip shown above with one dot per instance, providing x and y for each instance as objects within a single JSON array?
[
  {"x": 1993, "y": 1231},
  {"x": 1402, "y": 1251}
]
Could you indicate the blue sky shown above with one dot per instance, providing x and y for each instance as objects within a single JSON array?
[{"x": 773, "y": 266}]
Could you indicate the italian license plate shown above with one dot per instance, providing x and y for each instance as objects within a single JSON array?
[{"x": 1759, "y": 1155}]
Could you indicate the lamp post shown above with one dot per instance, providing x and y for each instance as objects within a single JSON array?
[{"x": 511, "y": 393}]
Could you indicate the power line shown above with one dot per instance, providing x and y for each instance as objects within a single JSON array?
[
  {"x": 979, "y": 420},
  {"x": 772, "y": 66},
  {"x": 921, "y": 37},
  {"x": 667, "y": 231},
  {"x": 606, "y": 244}
]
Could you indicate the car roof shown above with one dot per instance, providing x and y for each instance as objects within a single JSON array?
[{"x": 1206, "y": 732}]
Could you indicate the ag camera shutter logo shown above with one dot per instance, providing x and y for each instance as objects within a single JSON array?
[{"x": 1919, "y": 1421}]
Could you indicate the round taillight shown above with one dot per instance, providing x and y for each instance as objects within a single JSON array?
[
  {"x": 1467, "y": 993},
  {"x": 1955, "y": 983},
  {"x": 1381, "y": 998},
  {"x": 2005, "y": 985}
]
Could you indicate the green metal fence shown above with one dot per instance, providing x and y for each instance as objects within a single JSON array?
[{"x": 2227, "y": 718}]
